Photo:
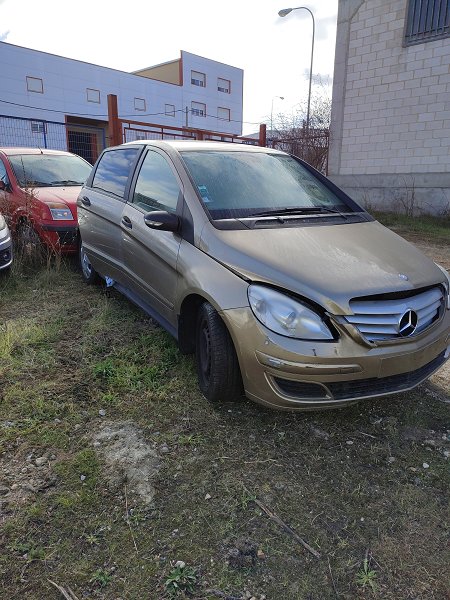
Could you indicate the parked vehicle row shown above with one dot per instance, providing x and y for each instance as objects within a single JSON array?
[{"x": 282, "y": 286}]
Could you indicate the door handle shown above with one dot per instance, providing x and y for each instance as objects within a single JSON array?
[
  {"x": 85, "y": 200},
  {"x": 127, "y": 222}
]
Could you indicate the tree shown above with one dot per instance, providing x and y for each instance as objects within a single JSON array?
[{"x": 291, "y": 134}]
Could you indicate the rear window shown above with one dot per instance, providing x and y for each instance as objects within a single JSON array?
[{"x": 113, "y": 171}]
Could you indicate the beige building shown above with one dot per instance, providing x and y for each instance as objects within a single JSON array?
[{"x": 390, "y": 125}]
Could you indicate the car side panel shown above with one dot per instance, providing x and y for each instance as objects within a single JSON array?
[
  {"x": 150, "y": 262},
  {"x": 101, "y": 231}
]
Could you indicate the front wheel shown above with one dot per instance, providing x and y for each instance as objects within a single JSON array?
[
  {"x": 219, "y": 376},
  {"x": 88, "y": 272},
  {"x": 29, "y": 244}
]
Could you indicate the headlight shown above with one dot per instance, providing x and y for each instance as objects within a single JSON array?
[
  {"x": 286, "y": 316},
  {"x": 60, "y": 212},
  {"x": 447, "y": 275},
  {"x": 2, "y": 222}
]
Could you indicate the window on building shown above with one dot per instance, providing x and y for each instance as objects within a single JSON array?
[
  {"x": 427, "y": 20},
  {"x": 198, "y": 78},
  {"x": 38, "y": 127},
  {"x": 139, "y": 104},
  {"x": 35, "y": 84},
  {"x": 223, "y": 85},
  {"x": 198, "y": 109},
  {"x": 170, "y": 110},
  {"x": 93, "y": 95},
  {"x": 223, "y": 114}
]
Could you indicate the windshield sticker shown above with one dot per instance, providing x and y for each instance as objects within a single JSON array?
[{"x": 204, "y": 193}]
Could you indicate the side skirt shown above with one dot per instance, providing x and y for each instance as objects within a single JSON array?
[{"x": 147, "y": 309}]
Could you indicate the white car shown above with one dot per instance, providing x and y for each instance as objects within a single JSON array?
[{"x": 6, "y": 254}]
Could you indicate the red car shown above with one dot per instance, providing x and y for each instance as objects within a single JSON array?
[{"x": 38, "y": 193}]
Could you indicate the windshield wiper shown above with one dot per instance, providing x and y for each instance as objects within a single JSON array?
[
  {"x": 299, "y": 210},
  {"x": 66, "y": 182}
]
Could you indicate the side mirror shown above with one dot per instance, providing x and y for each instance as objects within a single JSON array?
[{"x": 162, "y": 220}]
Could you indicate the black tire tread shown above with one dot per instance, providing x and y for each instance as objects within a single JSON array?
[
  {"x": 94, "y": 277},
  {"x": 225, "y": 382}
]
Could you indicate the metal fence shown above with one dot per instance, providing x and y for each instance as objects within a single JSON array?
[
  {"x": 32, "y": 133},
  {"x": 85, "y": 140},
  {"x": 134, "y": 130}
]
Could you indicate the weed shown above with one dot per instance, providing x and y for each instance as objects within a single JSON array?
[
  {"x": 101, "y": 578},
  {"x": 192, "y": 439},
  {"x": 92, "y": 539},
  {"x": 366, "y": 576},
  {"x": 105, "y": 369},
  {"x": 28, "y": 550},
  {"x": 182, "y": 579},
  {"x": 246, "y": 498}
]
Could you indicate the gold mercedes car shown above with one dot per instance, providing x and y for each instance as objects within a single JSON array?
[{"x": 283, "y": 286}]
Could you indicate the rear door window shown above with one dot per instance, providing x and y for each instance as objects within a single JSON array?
[{"x": 113, "y": 171}]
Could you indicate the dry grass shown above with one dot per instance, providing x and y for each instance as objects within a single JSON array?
[{"x": 351, "y": 483}]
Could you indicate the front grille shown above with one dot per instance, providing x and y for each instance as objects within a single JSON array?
[
  {"x": 376, "y": 386},
  {"x": 67, "y": 238},
  {"x": 384, "y": 385},
  {"x": 379, "y": 319},
  {"x": 301, "y": 389}
]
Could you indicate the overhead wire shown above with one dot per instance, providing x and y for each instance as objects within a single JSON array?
[{"x": 97, "y": 116}]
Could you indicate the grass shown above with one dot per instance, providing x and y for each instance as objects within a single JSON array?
[
  {"x": 69, "y": 351},
  {"x": 434, "y": 229}
]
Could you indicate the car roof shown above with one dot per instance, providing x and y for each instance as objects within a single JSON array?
[
  {"x": 11, "y": 151},
  {"x": 198, "y": 145}
]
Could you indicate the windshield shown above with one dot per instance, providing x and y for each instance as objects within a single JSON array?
[
  {"x": 242, "y": 184},
  {"x": 44, "y": 170}
]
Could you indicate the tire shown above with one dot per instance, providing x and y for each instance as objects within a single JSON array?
[
  {"x": 30, "y": 246},
  {"x": 219, "y": 375},
  {"x": 88, "y": 272}
]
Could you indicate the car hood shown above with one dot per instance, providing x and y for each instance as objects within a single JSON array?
[
  {"x": 329, "y": 264},
  {"x": 68, "y": 194}
]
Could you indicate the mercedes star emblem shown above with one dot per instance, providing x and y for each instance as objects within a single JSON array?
[{"x": 408, "y": 323}]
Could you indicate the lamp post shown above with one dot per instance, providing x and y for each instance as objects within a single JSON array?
[
  {"x": 283, "y": 13},
  {"x": 271, "y": 113}
]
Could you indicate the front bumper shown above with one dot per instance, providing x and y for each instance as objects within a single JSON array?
[
  {"x": 6, "y": 253},
  {"x": 294, "y": 374},
  {"x": 62, "y": 238}
]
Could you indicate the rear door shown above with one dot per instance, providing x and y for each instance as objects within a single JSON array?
[
  {"x": 100, "y": 206},
  {"x": 151, "y": 255}
]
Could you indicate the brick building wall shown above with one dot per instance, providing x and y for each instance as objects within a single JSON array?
[{"x": 390, "y": 131}]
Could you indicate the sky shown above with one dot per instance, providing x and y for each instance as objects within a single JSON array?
[{"x": 274, "y": 52}]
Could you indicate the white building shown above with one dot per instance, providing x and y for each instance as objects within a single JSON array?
[
  {"x": 390, "y": 126},
  {"x": 41, "y": 93}
]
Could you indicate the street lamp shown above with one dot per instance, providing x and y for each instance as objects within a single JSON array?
[
  {"x": 283, "y": 13},
  {"x": 271, "y": 113}
]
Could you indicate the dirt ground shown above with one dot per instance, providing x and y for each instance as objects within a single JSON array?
[{"x": 118, "y": 480}]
